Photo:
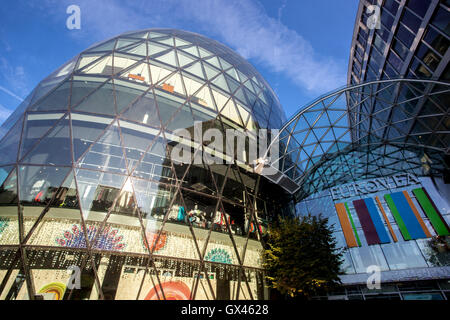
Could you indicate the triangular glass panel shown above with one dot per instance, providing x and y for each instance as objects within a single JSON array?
[
  {"x": 245, "y": 115},
  {"x": 158, "y": 73},
  {"x": 56, "y": 100},
  {"x": 204, "y": 98},
  {"x": 196, "y": 69},
  {"x": 125, "y": 95},
  {"x": 156, "y": 34},
  {"x": 259, "y": 91},
  {"x": 97, "y": 190},
  {"x": 122, "y": 61},
  {"x": 146, "y": 193},
  {"x": 106, "y": 154},
  {"x": 231, "y": 113},
  {"x": 85, "y": 130},
  {"x": 122, "y": 43},
  {"x": 108, "y": 46},
  {"x": 262, "y": 97},
  {"x": 125, "y": 203},
  {"x": 220, "y": 99},
  {"x": 140, "y": 35},
  {"x": 232, "y": 72},
  {"x": 82, "y": 89},
  {"x": 102, "y": 66},
  {"x": 37, "y": 187},
  {"x": 182, "y": 119},
  {"x": 225, "y": 65},
  {"x": 214, "y": 61},
  {"x": 167, "y": 105},
  {"x": 36, "y": 125},
  {"x": 251, "y": 98},
  {"x": 168, "y": 58},
  {"x": 9, "y": 145},
  {"x": 192, "y": 50},
  {"x": 139, "y": 74},
  {"x": 136, "y": 140},
  {"x": 184, "y": 59},
  {"x": 174, "y": 84},
  {"x": 204, "y": 53},
  {"x": 239, "y": 94},
  {"x": 211, "y": 72},
  {"x": 87, "y": 58},
  {"x": 101, "y": 101},
  {"x": 54, "y": 148},
  {"x": 140, "y": 49},
  {"x": 155, "y": 48},
  {"x": 192, "y": 86},
  {"x": 179, "y": 42},
  {"x": 232, "y": 83},
  {"x": 143, "y": 111},
  {"x": 221, "y": 83},
  {"x": 155, "y": 165},
  {"x": 249, "y": 85},
  {"x": 167, "y": 41}
]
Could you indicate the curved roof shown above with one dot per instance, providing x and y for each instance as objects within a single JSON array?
[
  {"x": 201, "y": 73},
  {"x": 364, "y": 131}
]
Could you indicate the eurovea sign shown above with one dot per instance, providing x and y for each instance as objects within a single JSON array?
[{"x": 373, "y": 185}]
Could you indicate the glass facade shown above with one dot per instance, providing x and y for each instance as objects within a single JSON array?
[
  {"x": 379, "y": 176},
  {"x": 390, "y": 124},
  {"x": 88, "y": 182},
  {"x": 412, "y": 41}
]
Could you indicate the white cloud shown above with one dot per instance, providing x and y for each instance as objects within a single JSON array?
[
  {"x": 10, "y": 93},
  {"x": 241, "y": 24},
  {"x": 15, "y": 77},
  {"x": 246, "y": 27},
  {"x": 4, "y": 113}
]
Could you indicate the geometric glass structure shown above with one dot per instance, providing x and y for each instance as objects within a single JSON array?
[
  {"x": 87, "y": 180},
  {"x": 370, "y": 130}
]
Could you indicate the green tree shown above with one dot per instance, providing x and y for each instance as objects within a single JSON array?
[{"x": 301, "y": 258}]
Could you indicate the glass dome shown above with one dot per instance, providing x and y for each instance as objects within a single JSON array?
[{"x": 87, "y": 179}]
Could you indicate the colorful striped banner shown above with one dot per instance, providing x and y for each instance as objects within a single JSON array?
[
  {"x": 431, "y": 211},
  {"x": 345, "y": 225},
  {"x": 401, "y": 225},
  {"x": 379, "y": 225},
  {"x": 366, "y": 222},
  {"x": 353, "y": 224},
  {"x": 399, "y": 204},
  {"x": 417, "y": 214},
  {"x": 386, "y": 219}
]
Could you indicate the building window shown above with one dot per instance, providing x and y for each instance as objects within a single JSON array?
[
  {"x": 419, "y": 69},
  {"x": 386, "y": 19},
  {"x": 419, "y": 7},
  {"x": 436, "y": 40},
  {"x": 405, "y": 35},
  {"x": 395, "y": 61},
  {"x": 428, "y": 56},
  {"x": 411, "y": 21},
  {"x": 442, "y": 20},
  {"x": 392, "y": 6},
  {"x": 400, "y": 49},
  {"x": 379, "y": 43}
]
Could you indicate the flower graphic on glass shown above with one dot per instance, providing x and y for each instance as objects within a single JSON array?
[
  {"x": 151, "y": 240},
  {"x": 218, "y": 255},
  {"x": 108, "y": 239}
]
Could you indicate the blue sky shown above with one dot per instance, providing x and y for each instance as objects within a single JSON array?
[{"x": 301, "y": 47}]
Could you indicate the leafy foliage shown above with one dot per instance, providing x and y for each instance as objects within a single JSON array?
[{"x": 301, "y": 258}]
